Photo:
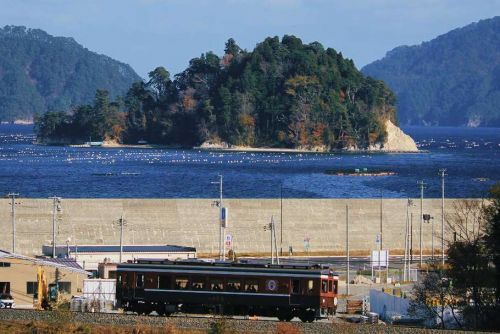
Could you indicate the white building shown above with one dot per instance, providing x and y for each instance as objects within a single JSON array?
[{"x": 89, "y": 256}]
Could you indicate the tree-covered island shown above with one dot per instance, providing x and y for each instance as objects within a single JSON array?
[{"x": 283, "y": 94}]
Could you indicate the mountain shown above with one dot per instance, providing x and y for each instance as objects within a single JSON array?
[
  {"x": 40, "y": 72},
  {"x": 452, "y": 80},
  {"x": 284, "y": 93}
]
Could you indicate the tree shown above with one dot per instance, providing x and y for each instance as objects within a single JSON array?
[
  {"x": 434, "y": 296},
  {"x": 492, "y": 216},
  {"x": 469, "y": 266}
]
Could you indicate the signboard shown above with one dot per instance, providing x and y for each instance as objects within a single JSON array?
[
  {"x": 229, "y": 241},
  {"x": 377, "y": 240},
  {"x": 384, "y": 258},
  {"x": 224, "y": 217}
]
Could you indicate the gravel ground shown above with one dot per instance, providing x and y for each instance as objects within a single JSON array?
[{"x": 202, "y": 323}]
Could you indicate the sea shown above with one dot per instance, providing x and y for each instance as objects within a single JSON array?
[{"x": 471, "y": 157}]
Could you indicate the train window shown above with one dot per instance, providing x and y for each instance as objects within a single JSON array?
[
  {"x": 216, "y": 284},
  {"x": 296, "y": 286},
  {"x": 330, "y": 286},
  {"x": 181, "y": 283},
  {"x": 233, "y": 284},
  {"x": 163, "y": 282},
  {"x": 324, "y": 286},
  {"x": 336, "y": 285},
  {"x": 251, "y": 286},
  {"x": 125, "y": 279},
  {"x": 310, "y": 285},
  {"x": 198, "y": 283},
  {"x": 139, "y": 281}
]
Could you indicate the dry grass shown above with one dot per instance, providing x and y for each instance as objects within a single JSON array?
[{"x": 18, "y": 327}]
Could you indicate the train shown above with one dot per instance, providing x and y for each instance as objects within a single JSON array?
[{"x": 285, "y": 291}]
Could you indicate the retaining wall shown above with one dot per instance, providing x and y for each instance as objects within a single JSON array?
[{"x": 193, "y": 222}]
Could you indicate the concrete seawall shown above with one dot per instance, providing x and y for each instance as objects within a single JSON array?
[{"x": 193, "y": 222}]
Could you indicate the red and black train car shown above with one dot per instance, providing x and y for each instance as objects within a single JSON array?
[{"x": 284, "y": 291}]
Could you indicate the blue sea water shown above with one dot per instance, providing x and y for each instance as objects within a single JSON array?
[{"x": 471, "y": 157}]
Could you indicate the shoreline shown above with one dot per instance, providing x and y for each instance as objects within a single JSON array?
[{"x": 235, "y": 149}]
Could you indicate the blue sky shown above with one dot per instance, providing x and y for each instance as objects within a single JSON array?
[{"x": 150, "y": 33}]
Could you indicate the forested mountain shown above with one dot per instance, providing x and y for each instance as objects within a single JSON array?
[
  {"x": 452, "y": 80},
  {"x": 281, "y": 94},
  {"x": 39, "y": 72}
]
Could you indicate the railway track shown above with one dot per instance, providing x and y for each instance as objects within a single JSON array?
[{"x": 181, "y": 321}]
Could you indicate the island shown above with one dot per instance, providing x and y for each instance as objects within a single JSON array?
[{"x": 282, "y": 95}]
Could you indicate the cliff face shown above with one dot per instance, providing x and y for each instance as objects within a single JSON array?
[{"x": 397, "y": 140}]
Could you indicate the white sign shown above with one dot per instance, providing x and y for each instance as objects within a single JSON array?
[
  {"x": 378, "y": 239},
  {"x": 229, "y": 240},
  {"x": 384, "y": 258}
]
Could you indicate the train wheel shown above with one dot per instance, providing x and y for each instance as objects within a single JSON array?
[
  {"x": 306, "y": 316},
  {"x": 284, "y": 315}
]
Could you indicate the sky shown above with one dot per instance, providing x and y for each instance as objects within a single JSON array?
[{"x": 151, "y": 33}]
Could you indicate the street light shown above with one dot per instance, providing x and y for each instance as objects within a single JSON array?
[
  {"x": 427, "y": 218},
  {"x": 272, "y": 227},
  {"x": 121, "y": 222}
]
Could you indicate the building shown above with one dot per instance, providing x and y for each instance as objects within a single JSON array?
[
  {"x": 18, "y": 276},
  {"x": 89, "y": 256}
]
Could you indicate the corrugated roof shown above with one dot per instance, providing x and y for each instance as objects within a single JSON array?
[
  {"x": 69, "y": 262},
  {"x": 43, "y": 262},
  {"x": 47, "y": 249}
]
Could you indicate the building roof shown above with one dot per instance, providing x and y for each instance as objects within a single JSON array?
[
  {"x": 47, "y": 249},
  {"x": 45, "y": 262},
  {"x": 69, "y": 262}
]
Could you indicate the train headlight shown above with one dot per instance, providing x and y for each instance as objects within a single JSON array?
[{"x": 324, "y": 301}]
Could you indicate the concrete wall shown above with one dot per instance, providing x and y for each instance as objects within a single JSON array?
[{"x": 193, "y": 222}]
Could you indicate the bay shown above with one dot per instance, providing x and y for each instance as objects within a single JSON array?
[{"x": 470, "y": 155}]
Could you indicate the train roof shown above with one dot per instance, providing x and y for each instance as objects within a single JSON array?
[{"x": 194, "y": 265}]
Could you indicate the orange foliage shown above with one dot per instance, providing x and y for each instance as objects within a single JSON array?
[
  {"x": 281, "y": 136},
  {"x": 188, "y": 101},
  {"x": 342, "y": 95},
  {"x": 317, "y": 133},
  {"x": 226, "y": 60},
  {"x": 303, "y": 137},
  {"x": 247, "y": 121}
]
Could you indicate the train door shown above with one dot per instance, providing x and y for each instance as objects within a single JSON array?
[
  {"x": 295, "y": 292},
  {"x": 139, "y": 285}
]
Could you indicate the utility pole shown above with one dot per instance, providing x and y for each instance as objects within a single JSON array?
[
  {"x": 281, "y": 219},
  {"x": 409, "y": 237},
  {"x": 421, "y": 184},
  {"x": 12, "y": 197},
  {"x": 380, "y": 244},
  {"x": 56, "y": 201},
  {"x": 275, "y": 242},
  {"x": 406, "y": 242},
  {"x": 443, "y": 173},
  {"x": 272, "y": 228},
  {"x": 222, "y": 247},
  {"x": 347, "y": 246},
  {"x": 121, "y": 223}
]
